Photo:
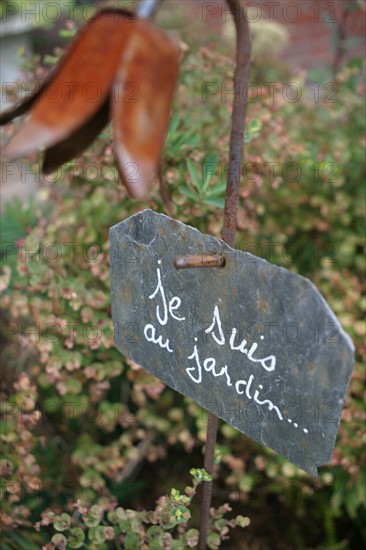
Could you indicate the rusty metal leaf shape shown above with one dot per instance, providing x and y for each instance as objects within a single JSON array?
[
  {"x": 139, "y": 124},
  {"x": 77, "y": 142},
  {"x": 113, "y": 55}
]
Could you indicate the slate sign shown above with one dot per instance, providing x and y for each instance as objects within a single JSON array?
[{"x": 251, "y": 342}]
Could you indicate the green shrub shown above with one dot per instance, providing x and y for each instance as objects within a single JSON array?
[{"x": 82, "y": 420}]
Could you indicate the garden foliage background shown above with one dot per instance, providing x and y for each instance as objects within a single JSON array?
[{"x": 90, "y": 440}]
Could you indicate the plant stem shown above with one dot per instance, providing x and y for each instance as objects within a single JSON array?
[{"x": 241, "y": 81}]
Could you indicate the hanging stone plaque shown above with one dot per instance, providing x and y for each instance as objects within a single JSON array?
[{"x": 251, "y": 342}]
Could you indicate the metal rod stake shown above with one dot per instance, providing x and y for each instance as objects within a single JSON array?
[
  {"x": 148, "y": 8},
  {"x": 241, "y": 81}
]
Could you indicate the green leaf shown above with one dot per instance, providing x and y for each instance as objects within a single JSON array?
[
  {"x": 215, "y": 201},
  {"x": 59, "y": 541},
  {"x": 132, "y": 541},
  {"x": 242, "y": 521},
  {"x": 76, "y": 538},
  {"x": 94, "y": 517},
  {"x": 209, "y": 167},
  {"x": 255, "y": 126},
  {"x": 200, "y": 474},
  {"x": 154, "y": 531},
  {"x": 66, "y": 33},
  {"x": 174, "y": 123},
  {"x": 188, "y": 193},
  {"x": 192, "y": 140},
  {"x": 194, "y": 175},
  {"x": 62, "y": 522},
  {"x": 181, "y": 514},
  {"x": 252, "y": 130},
  {"x": 99, "y": 533},
  {"x": 217, "y": 189},
  {"x": 213, "y": 541},
  {"x": 192, "y": 537},
  {"x": 50, "y": 59}
]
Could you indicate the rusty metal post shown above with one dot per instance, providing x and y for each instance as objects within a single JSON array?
[{"x": 241, "y": 81}]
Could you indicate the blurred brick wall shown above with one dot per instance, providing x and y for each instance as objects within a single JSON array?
[{"x": 310, "y": 24}]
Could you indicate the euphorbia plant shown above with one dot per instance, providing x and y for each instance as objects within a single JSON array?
[{"x": 164, "y": 527}]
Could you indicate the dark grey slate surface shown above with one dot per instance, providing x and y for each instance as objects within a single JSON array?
[{"x": 251, "y": 342}]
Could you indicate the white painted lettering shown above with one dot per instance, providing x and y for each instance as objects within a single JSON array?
[
  {"x": 216, "y": 321},
  {"x": 150, "y": 335}
]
